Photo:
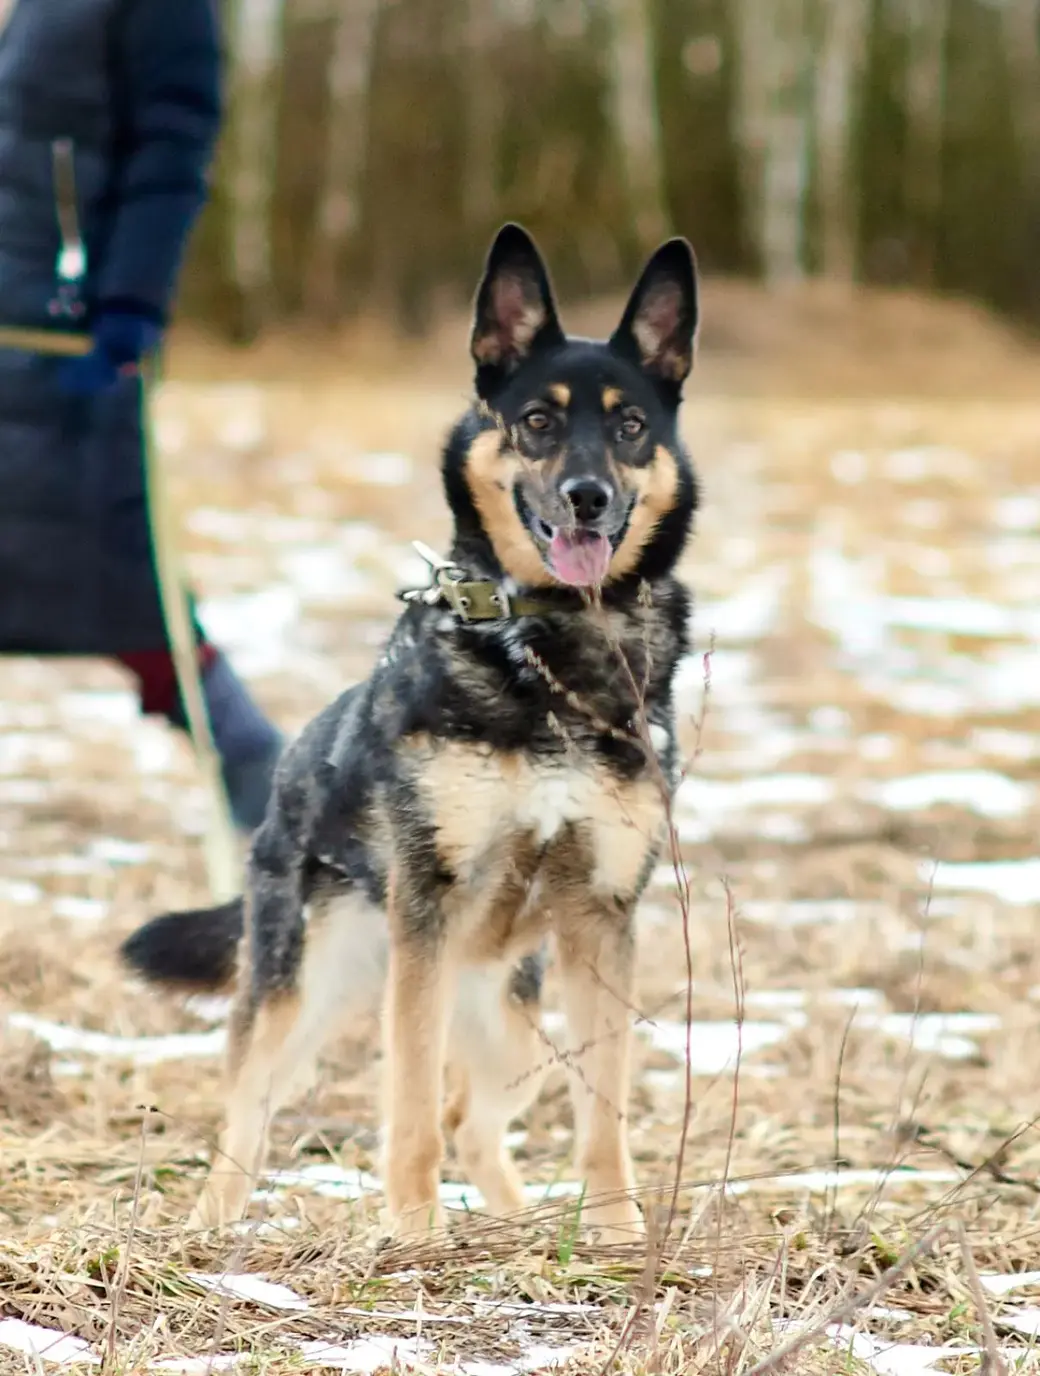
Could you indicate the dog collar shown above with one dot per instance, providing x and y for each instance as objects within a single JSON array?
[{"x": 471, "y": 599}]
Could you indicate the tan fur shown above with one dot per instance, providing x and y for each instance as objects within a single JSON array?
[
  {"x": 497, "y": 1062},
  {"x": 594, "y": 837},
  {"x": 493, "y": 1074},
  {"x": 596, "y": 962},
  {"x": 560, "y": 393},
  {"x": 415, "y": 1021},
  {"x": 611, "y": 399},
  {"x": 657, "y": 486},
  {"x": 488, "y": 806},
  {"x": 273, "y": 1049},
  {"x": 263, "y": 1076},
  {"x": 491, "y": 471}
]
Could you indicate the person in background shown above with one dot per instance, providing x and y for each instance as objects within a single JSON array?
[{"x": 109, "y": 112}]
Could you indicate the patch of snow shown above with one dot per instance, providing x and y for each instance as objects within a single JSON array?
[
  {"x": 45, "y": 1344},
  {"x": 1003, "y": 1283},
  {"x": 254, "y": 1289},
  {"x": 539, "y": 1357},
  {"x": 1012, "y": 881},
  {"x": 383, "y": 469},
  {"x": 714, "y": 1045},
  {"x": 80, "y": 909},
  {"x": 337, "y": 1182},
  {"x": 113, "y": 707},
  {"x": 1025, "y": 1321},
  {"x": 139, "y": 1050},
  {"x": 708, "y": 798},
  {"x": 20, "y": 892},
  {"x": 805, "y": 912},
  {"x": 816, "y": 1181},
  {"x": 113, "y": 850},
  {"x": 201, "y": 1366},
  {"x": 748, "y": 614},
  {"x": 364, "y": 1354},
  {"x": 980, "y": 790}
]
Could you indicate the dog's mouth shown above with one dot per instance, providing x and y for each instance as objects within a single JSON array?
[{"x": 579, "y": 557}]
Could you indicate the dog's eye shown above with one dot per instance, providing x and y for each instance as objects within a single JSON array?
[
  {"x": 537, "y": 420},
  {"x": 632, "y": 425}
]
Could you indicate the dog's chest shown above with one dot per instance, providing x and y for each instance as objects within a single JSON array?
[{"x": 489, "y": 808}]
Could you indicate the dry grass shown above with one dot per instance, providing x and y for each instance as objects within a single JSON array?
[{"x": 100, "y": 1155}]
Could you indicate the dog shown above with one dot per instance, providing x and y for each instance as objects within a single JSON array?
[{"x": 500, "y": 782}]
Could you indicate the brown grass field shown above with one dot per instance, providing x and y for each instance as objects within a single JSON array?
[{"x": 851, "y": 1156}]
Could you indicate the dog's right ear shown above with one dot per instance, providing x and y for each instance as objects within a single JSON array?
[{"x": 515, "y": 314}]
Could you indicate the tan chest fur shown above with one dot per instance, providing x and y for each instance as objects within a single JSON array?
[{"x": 506, "y": 821}]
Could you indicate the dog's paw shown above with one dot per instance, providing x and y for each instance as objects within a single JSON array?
[
  {"x": 217, "y": 1208},
  {"x": 615, "y": 1222},
  {"x": 417, "y": 1221}
]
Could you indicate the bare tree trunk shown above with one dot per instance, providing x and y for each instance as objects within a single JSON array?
[
  {"x": 483, "y": 119},
  {"x": 773, "y": 127},
  {"x": 840, "y": 67},
  {"x": 348, "y": 78},
  {"x": 1021, "y": 19},
  {"x": 255, "y": 41},
  {"x": 636, "y": 118},
  {"x": 927, "y": 25}
]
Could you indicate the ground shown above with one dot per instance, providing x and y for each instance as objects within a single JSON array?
[{"x": 857, "y": 954}]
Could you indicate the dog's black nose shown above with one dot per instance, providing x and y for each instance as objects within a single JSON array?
[{"x": 589, "y": 497}]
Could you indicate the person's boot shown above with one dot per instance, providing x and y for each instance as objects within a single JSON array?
[{"x": 247, "y": 744}]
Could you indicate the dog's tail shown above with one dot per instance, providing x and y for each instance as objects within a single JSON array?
[{"x": 194, "y": 950}]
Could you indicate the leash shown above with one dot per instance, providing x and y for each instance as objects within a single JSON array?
[{"x": 222, "y": 861}]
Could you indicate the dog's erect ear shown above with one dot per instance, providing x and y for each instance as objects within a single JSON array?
[
  {"x": 659, "y": 325},
  {"x": 515, "y": 313}
]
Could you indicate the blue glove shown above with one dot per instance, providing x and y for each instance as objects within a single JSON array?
[{"x": 121, "y": 339}]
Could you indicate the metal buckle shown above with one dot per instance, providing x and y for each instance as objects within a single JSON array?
[
  {"x": 500, "y": 598},
  {"x": 444, "y": 574}
]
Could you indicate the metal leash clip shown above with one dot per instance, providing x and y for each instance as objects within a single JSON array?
[
  {"x": 71, "y": 267},
  {"x": 444, "y": 575}
]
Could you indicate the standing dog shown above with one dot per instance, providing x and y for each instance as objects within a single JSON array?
[{"x": 502, "y": 777}]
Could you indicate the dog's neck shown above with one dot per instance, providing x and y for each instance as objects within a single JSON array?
[{"x": 475, "y": 555}]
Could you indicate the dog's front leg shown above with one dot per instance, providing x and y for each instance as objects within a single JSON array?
[
  {"x": 596, "y": 952},
  {"x": 416, "y": 1016}
]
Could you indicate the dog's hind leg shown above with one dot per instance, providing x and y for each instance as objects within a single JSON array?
[
  {"x": 280, "y": 1026},
  {"x": 497, "y": 1061},
  {"x": 263, "y": 1071}
]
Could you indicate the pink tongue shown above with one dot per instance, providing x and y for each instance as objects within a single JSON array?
[{"x": 581, "y": 560}]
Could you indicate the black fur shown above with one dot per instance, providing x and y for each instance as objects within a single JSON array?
[
  {"x": 188, "y": 950},
  {"x": 346, "y": 808}
]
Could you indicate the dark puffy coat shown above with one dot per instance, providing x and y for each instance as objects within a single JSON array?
[{"x": 135, "y": 84}]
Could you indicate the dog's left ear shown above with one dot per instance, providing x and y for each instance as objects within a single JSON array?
[
  {"x": 515, "y": 313},
  {"x": 659, "y": 325}
]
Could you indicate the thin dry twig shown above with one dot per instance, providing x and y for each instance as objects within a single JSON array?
[
  {"x": 851, "y": 1303},
  {"x": 992, "y": 1362}
]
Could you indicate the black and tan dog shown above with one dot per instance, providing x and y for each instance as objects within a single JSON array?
[{"x": 502, "y": 777}]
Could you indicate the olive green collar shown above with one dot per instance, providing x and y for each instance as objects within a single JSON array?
[{"x": 472, "y": 599}]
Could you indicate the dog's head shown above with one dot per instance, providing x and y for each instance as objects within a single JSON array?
[{"x": 576, "y": 475}]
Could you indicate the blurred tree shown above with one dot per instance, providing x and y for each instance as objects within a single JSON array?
[
  {"x": 338, "y": 215},
  {"x": 926, "y": 25},
  {"x": 372, "y": 146},
  {"x": 255, "y": 40},
  {"x": 839, "y": 75},
  {"x": 636, "y": 120}
]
